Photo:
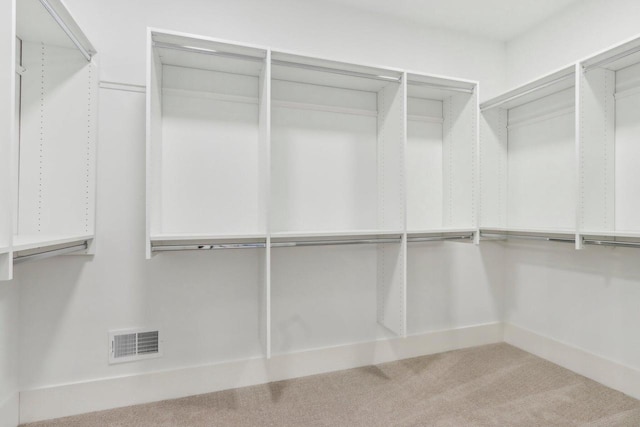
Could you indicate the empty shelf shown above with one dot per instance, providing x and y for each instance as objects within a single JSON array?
[
  {"x": 35, "y": 241},
  {"x": 628, "y": 234},
  {"x": 461, "y": 230},
  {"x": 296, "y": 235},
  {"x": 189, "y": 237}
]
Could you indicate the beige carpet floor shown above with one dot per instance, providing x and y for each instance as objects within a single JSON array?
[{"x": 493, "y": 385}]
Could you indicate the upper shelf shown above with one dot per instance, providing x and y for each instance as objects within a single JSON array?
[
  {"x": 302, "y": 69},
  {"x": 438, "y": 88},
  {"x": 616, "y": 58},
  {"x": 50, "y": 23},
  {"x": 204, "y": 54},
  {"x": 537, "y": 89}
]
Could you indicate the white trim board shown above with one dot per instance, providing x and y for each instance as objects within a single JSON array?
[
  {"x": 9, "y": 411},
  {"x": 608, "y": 372},
  {"x": 77, "y": 398}
]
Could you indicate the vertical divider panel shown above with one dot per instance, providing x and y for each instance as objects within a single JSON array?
[
  {"x": 459, "y": 152},
  {"x": 391, "y": 277},
  {"x": 579, "y": 76},
  {"x": 154, "y": 143},
  {"x": 595, "y": 136},
  {"x": 8, "y": 129},
  {"x": 92, "y": 152},
  {"x": 265, "y": 197},
  {"x": 493, "y": 168},
  {"x": 476, "y": 169}
]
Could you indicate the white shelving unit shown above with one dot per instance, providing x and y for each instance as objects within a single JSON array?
[
  {"x": 208, "y": 150},
  {"x": 337, "y": 157},
  {"x": 528, "y": 159},
  {"x": 442, "y": 155},
  {"x": 609, "y": 153},
  {"x": 336, "y": 147},
  {"x": 207, "y": 153},
  {"x": 308, "y": 161},
  {"x": 49, "y": 187}
]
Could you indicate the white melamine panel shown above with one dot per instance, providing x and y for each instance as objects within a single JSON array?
[
  {"x": 210, "y": 153},
  {"x": 424, "y": 174},
  {"x": 8, "y": 128},
  {"x": 449, "y": 286},
  {"x": 324, "y": 296},
  {"x": 57, "y": 142},
  {"x": 323, "y": 163},
  {"x": 392, "y": 286},
  {"x": 459, "y": 158},
  {"x": 627, "y": 158},
  {"x": 392, "y": 134},
  {"x": 597, "y": 150},
  {"x": 610, "y": 125},
  {"x": 153, "y": 147},
  {"x": 493, "y": 168},
  {"x": 541, "y": 163},
  {"x": 264, "y": 154},
  {"x": 35, "y": 24},
  {"x": 442, "y": 127}
]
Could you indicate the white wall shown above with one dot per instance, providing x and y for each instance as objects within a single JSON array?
[
  {"x": 118, "y": 30},
  {"x": 206, "y": 303},
  {"x": 584, "y": 28},
  {"x": 588, "y": 299},
  {"x": 9, "y": 301}
]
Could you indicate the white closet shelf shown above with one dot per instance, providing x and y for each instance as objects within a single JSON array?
[
  {"x": 441, "y": 231},
  {"x": 5, "y": 250},
  {"x": 297, "y": 235},
  {"x": 629, "y": 234},
  {"x": 537, "y": 89},
  {"x": 36, "y": 241},
  {"x": 181, "y": 237},
  {"x": 544, "y": 231},
  {"x": 616, "y": 58}
]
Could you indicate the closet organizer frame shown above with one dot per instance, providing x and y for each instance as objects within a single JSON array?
[
  {"x": 606, "y": 193},
  {"x": 608, "y": 130},
  {"x": 389, "y": 234},
  {"x": 528, "y": 189},
  {"x": 49, "y": 154}
]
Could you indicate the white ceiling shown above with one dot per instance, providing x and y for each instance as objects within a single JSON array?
[{"x": 496, "y": 19}]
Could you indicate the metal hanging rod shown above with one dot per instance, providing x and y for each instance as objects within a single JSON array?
[
  {"x": 67, "y": 30},
  {"x": 50, "y": 253},
  {"x": 334, "y": 242},
  {"x": 336, "y": 71},
  {"x": 488, "y": 105},
  {"x": 442, "y": 87},
  {"x": 611, "y": 243},
  {"x": 171, "y": 248},
  {"x": 439, "y": 238},
  {"x": 611, "y": 59},
  {"x": 528, "y": 237},
  {"x": 206, "y": 51}
]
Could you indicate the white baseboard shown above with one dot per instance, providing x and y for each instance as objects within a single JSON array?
[
  {"x": 73, "y": 399},
  {"x": 610, "y": 373},
  {"x": 9, "y": 411}
]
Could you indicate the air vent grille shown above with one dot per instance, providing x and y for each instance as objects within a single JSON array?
[{"x": 127, "y": 346}]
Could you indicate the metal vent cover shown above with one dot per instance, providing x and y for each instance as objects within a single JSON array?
[{"x": 132, "y": 345}]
